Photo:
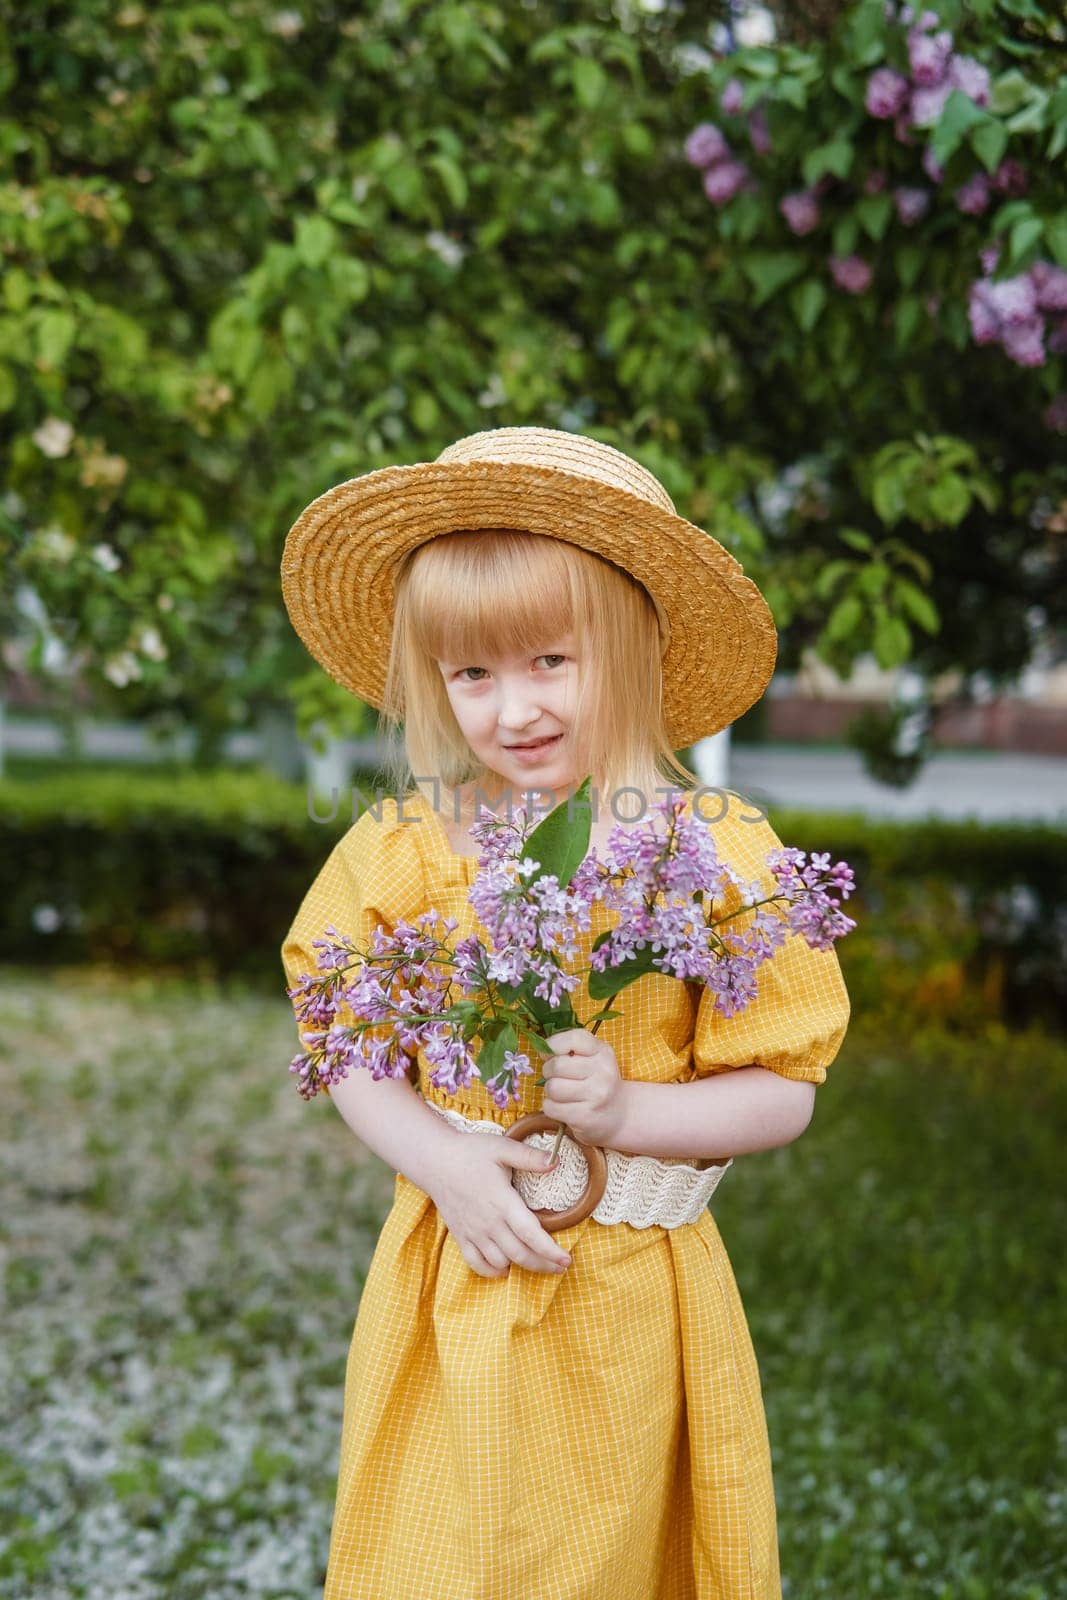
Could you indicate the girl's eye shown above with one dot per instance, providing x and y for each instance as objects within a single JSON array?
[{"x": 464, "y": 670}]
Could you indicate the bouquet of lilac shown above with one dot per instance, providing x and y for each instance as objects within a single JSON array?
[{"x": 412, "y": 991}]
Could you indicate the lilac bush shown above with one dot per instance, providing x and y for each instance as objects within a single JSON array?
[{"x": 965, "y": 174}]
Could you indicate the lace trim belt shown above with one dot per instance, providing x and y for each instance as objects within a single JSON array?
[{"x": 646, "y": 1191}]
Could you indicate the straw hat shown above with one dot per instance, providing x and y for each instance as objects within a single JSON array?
[{"x": 341, "y": 556}]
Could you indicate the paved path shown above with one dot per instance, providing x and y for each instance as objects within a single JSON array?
[{"x": 978, "y": 783}]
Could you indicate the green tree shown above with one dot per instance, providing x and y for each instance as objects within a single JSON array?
[{"x": 249, "y": 253}]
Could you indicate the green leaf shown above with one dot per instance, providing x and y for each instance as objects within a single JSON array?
[
  {"x": 769, "y": 270},
  {"x": 793, "y": 91},
  {"x": 918, "y": 604},
  {"x": 453, "y": 178},
  {"x": 892, "y": 641},
  {"x": 857, "y": 538},
  {"x": 826, "y": 581},
  {"x": 887, "y": 497},
  {"x": 958, "y": 114},
  {"x": 908, "y": 259},
  {"x": 403, "y": 183},
  {"x": 873, "y": 578},
  {"x": 989, "y": 142},
  {"x": 907, "y": 315},
  {"x": 344, "y": 209},
  {"x": 425, "y": 412},
  {"x": 806, "y": 301},
  {"x": 949, "y": 500},
  {"x": 55, "y": 335},
  {"x": 490, "y": 1057},
  {"x": 1008, "y": 92},
  {"x": 761, "y": 62},
  {"x": 845, "y": 235},
  {"x": 315, "y": 240},
  {"x": 1056, "y": 238},
  {"x": 17, "y": 288},
  {"x": 844, "y": 618},
  {"x": 603, "y": 985},
  {"x": 835, "y": 156},
  {"x": 867, "y": 26},
  {"x": 638, "y": 139},
  {"x": 590, "y": 82},
  {"x": 1025, "y": 234},
  {"x": 561, "y": 842},
  {"x": 873, "y": 212},
  {"x": 1007, "y": 214},
  {"x": 240, "y": 348},
  {"x": 1030, "y": 118}
]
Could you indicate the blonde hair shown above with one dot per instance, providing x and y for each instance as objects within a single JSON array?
[{"x": 471, "y": 593}]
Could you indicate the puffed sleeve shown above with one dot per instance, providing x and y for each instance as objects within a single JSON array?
[
  {"x": 373, "y": 874},
  {"x": 797, "y": 1021}
]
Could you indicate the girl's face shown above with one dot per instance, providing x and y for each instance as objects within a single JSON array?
[{"x": 502, "y": 703}]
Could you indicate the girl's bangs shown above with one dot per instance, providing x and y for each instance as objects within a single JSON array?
[{"x": 493, "y": 593}]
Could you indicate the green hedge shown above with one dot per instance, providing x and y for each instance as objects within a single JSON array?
[{"x": 203, "y": 873}]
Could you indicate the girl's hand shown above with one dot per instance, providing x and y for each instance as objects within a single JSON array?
[
  {"x": 584, "y": 1087},
  {"x": 472, "y": 1188}
]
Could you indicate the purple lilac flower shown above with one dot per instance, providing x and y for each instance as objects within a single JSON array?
[
  {"x": 723, "y": 180},
  {"x": 927, "y": 103},
  {"x": 971, "y": 77},
  {"x": 758, "y": 131},
  {"x": 984, "y": 322},
  {"x": 1010, "y": 177},
  {"x": 1007, "y": 312},
  {"x": 989, "y": 256},
  {"x": 732, "y": 97},
  {"x": 1050, "y": 286},
  {"x": 974, "y": 195},
  {"x": 928, "y": 57},
  {"x": 1057, "y": 338},
  {"x": 904, "y": 16},
  {"x": 1023, "y": 342},
  {"x": 706, "y": 144},
  {"x": 1054, "y": 415},
  {"x": 887, "y": 92},
  {"x": 1013, "y": 299},
  {"x": 932, "y": 166},
  {"x": 911, "y": 203},
  {"x": 851, "y": 273},
  {"x": 800, "y": 210}
]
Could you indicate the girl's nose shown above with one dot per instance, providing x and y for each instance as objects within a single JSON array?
[{"x": 518, "y": 711}]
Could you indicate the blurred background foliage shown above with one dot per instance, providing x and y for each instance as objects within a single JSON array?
[{"x": 250, "y": 251}]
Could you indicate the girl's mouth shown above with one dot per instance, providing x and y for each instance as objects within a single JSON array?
[{"x": 534, "y": 749}]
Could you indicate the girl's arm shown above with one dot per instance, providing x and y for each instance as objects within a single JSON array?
[
  {"x": 392, "y": 1120},
  {"x": 727, "y": 1114}
]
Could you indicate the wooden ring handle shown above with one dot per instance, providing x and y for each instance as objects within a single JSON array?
[{"x": 596, "y": 1160}]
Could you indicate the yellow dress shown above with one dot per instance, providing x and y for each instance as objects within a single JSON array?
[{"x": 593, "y": 1435}]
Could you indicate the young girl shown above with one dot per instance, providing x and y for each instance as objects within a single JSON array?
[{"x": 535, "y": 1413}]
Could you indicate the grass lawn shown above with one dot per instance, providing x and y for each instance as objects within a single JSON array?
[{"x": 185, "y": 1242}]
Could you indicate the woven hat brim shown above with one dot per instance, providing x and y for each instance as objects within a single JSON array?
[{"x": 341, "y": 556}]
